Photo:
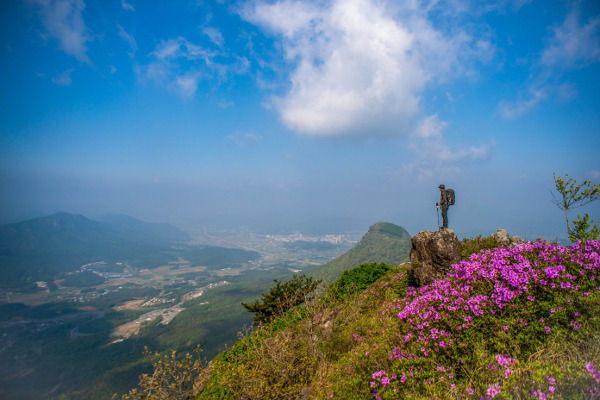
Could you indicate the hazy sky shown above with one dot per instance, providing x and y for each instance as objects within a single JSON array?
[{"x": 173, "y": 110}]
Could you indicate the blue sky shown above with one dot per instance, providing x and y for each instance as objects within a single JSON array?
[{"x": 179, "y": 110}]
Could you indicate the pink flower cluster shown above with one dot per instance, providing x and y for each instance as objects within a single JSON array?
[
  {"x": 540, "y": 394},
  {"x": 515, "y": 272},
  {"x": 592, "y": 370},
  {"x": 486, "y": 286}
]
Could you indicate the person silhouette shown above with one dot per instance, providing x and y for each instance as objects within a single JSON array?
[{"x": 444, "y": 205}]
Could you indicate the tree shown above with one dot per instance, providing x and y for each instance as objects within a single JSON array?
[
  {"x": 173, "y": 378},
  {"x": 584, "y": 229},
  {"x": 572, "y": 195},
  {"x": 282, "y": 297}
]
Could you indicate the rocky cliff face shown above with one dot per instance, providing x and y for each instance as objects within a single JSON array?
[{"x": 432, "y": 254}]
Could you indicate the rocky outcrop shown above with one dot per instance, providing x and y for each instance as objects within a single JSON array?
[
  {"x": 506, "y": 241},
  {"x": 432, "y": 255},
  {"x": 323, "y": 322}
]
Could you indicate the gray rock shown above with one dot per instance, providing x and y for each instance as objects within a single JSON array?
[
  {"x": 502, "y": 237},
  {"x": 507, "y": 241},
  {"x": 323, "y": 322},
  {"x": 432, "y": 255}
]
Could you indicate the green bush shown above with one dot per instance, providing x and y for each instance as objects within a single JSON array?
[
  {"x": 358, "y": 279},
  {"x": 282, "y": 297},
  {"x": 474, "y": 245},
  {"x": 173, "y": 378}
]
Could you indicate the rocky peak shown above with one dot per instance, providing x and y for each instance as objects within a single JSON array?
[{"x": 432, "y": 254}]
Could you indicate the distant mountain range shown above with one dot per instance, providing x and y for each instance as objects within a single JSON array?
[
  {"x": 43, "y": 248},
  {"x": 384, "y": 242}
]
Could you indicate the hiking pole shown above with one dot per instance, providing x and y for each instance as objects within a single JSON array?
[{"x": 437, "y": 209}]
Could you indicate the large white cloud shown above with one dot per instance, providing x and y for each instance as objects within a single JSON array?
[{"x": 360, "y": 66}]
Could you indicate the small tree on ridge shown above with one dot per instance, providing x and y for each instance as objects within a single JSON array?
[
  {"x": 573, "y": 195},
  {"x": 282, "y": 297}
]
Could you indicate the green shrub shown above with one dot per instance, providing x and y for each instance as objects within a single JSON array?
[
  {"x": 173, "y": 378},
  {"x": 282, "y": 297},
  {"x": 358, "y": 279},
  {"x": 474, "y": 245}
]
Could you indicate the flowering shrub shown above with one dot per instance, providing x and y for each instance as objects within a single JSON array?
[{"x": 487, "y": 330}]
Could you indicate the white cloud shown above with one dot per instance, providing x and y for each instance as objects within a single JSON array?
[
  {"x": 187, "y": 85},
  {"x": 574, "y": 44},
  {"x": 511, "y": 110},
  {"x": 430, "y": 127},
  {"x": 360, "y": 66},
  {"x": 181, "y": 48},
  {"x": 180, "y": 65},
  {"x": 63, "y": 79},
  {"x": 130, "y": 41},
  {"x": 537, "y": 94},
  {"x": 433, "y": 155},
  {"x": 438, "y": 150},
  {"x": 127, "y": 6},
  {"x": 244, "y": 139},
  {"x": 226, "y": 104},
  {"x": 64, "y": 22},
  {"x": 214, "y": 35},
  {"x": 174, "y": 65}
]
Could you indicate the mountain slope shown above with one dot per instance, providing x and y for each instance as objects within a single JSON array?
[
  {"x": 43, "y": 248},
  {"x": 532, "y": 331},
  {"x": 384, "y": 242}
]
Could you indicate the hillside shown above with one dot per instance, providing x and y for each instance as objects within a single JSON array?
[
  {"x": 384, "y": 242},
  {"x": 507, "y": 323},
  {"x": 41, "y": 249}
]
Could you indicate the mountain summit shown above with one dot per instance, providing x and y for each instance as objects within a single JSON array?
[{"x": 383, "y": 242}]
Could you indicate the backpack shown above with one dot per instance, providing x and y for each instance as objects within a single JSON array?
[{"x": 450, "y": 194}]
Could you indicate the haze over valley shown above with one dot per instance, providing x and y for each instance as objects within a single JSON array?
[{"x": 136, "y": 285}]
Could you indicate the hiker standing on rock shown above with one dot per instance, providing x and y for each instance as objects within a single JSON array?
[{"x": 444, "y": 205}]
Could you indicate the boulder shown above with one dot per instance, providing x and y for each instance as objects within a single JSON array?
[
  {"x": 323, "y": 322},
  {"x": 507, "y": 241},
  {"x": 432, "y": 255}
]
